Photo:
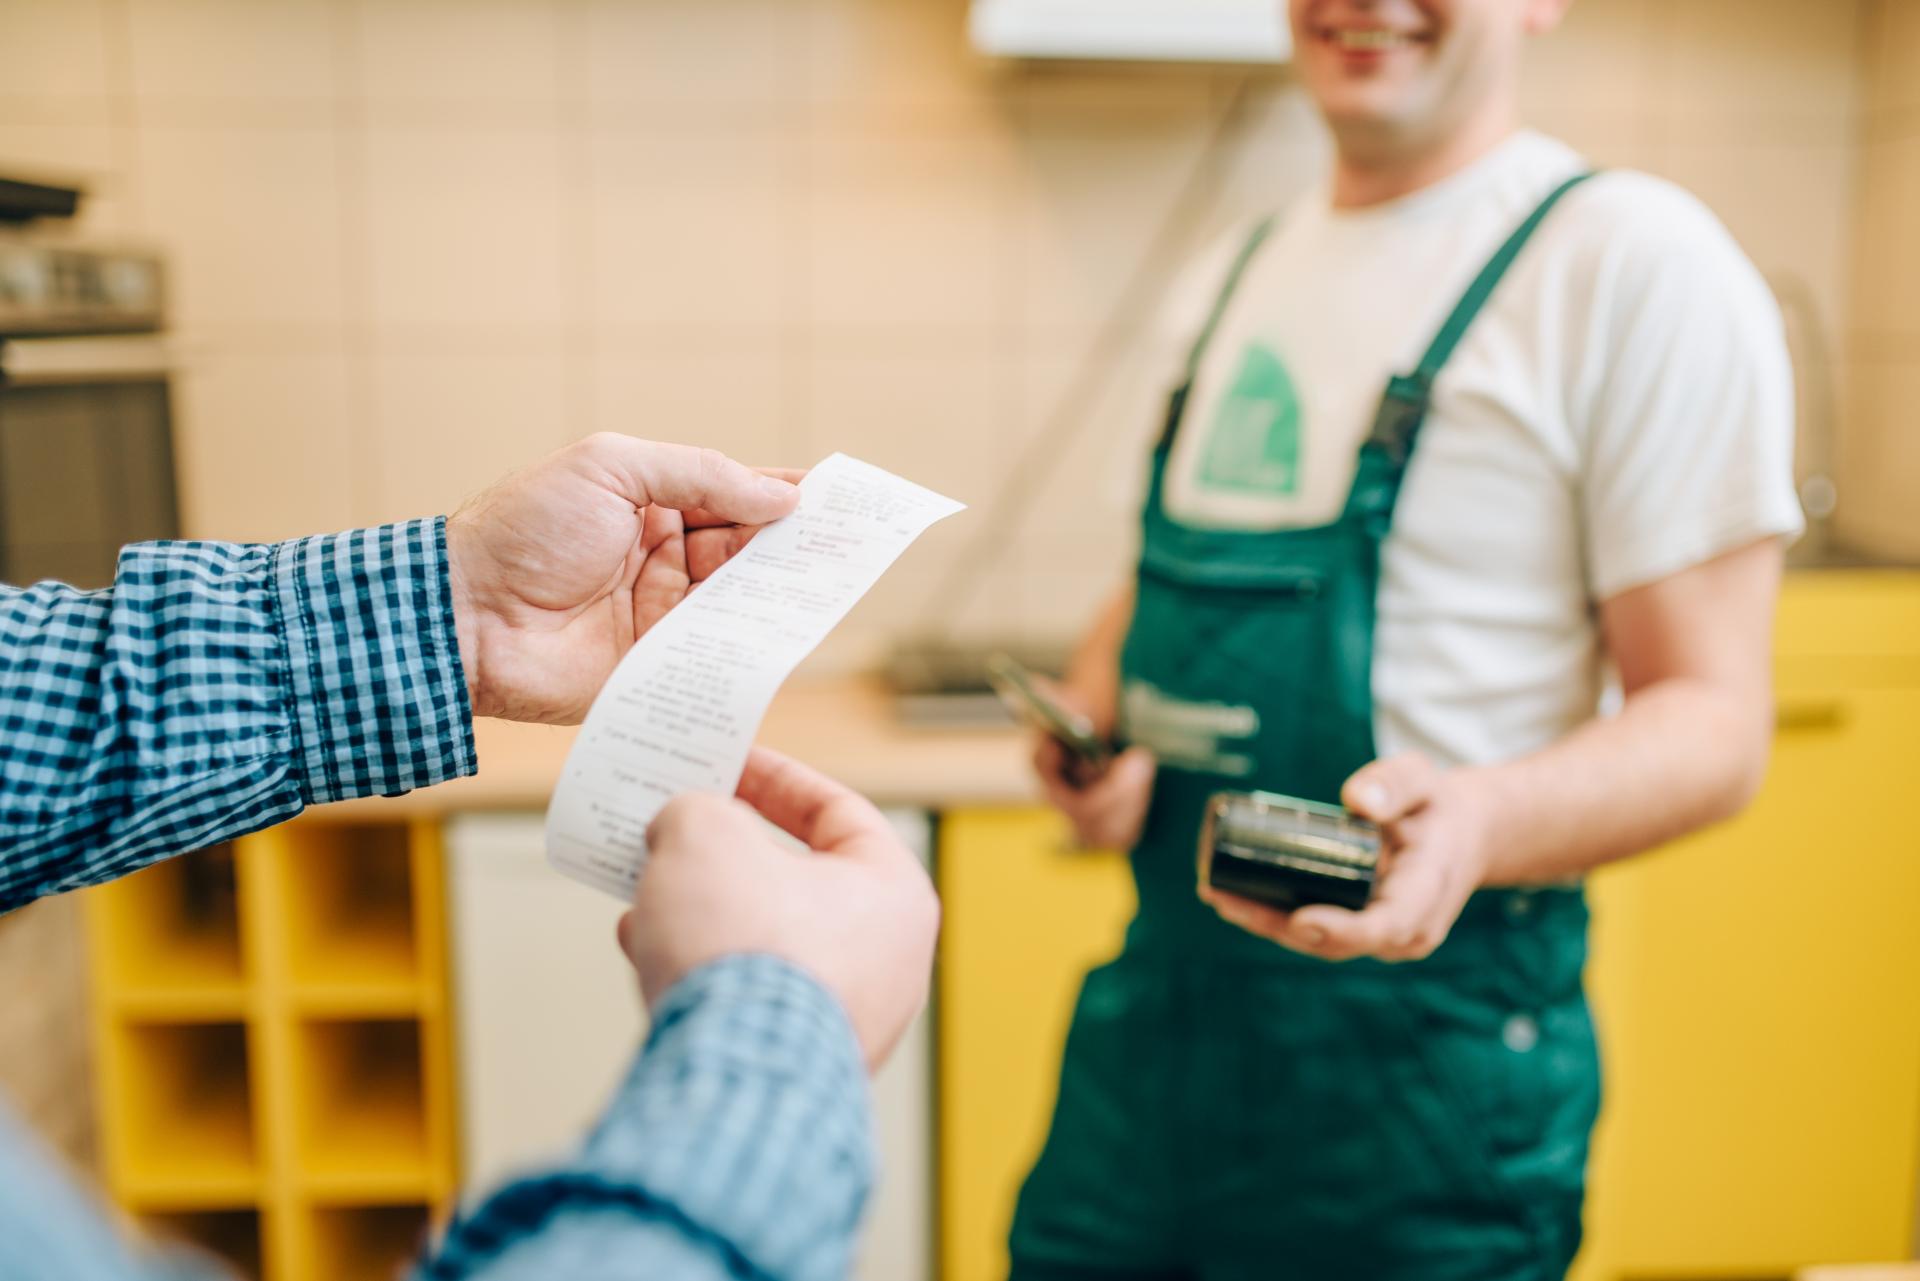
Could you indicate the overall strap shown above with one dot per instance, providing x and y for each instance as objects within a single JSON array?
[
  {"x": 1404, "y": 406},
  {"x": 1176, "y": 408}
]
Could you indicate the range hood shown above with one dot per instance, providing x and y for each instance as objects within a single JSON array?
[{"x": 1147, "y": 30}]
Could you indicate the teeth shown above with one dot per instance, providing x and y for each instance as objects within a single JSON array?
[{"x": 1373, "y": 39}]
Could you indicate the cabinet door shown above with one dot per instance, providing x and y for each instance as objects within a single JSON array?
[
  {"x": 549, "y": 1021},
  {"x": 1026, "y": 917},
  {"x": 1756, "y": 987}
]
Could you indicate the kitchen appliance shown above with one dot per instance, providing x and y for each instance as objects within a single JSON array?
[
  {"x": 1155, "y": 30},
  {"x": 86, "y": 438}
]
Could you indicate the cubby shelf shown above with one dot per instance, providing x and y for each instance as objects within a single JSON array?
[
  {"x": 231, "y": 1236},
  {"x": 274, "y": 1083},
  {"x": 352, "y": 1242},
  {"x": 186, "y": 1117},
  {"x": 170, "y": 938},
  {"x": 361, "y": 1099}
]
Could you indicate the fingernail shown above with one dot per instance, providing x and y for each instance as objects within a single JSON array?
[
  {"x": 774, "y": 487},
  {"x": 1372, "y": 796}
]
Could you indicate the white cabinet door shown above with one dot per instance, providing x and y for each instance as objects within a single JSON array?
[{"x": 547, "y": 1019}]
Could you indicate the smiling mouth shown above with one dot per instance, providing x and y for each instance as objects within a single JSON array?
[{"x": 1369, "y": 39}]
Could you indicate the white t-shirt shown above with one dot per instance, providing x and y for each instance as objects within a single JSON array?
[{"x": 1620, "y": 410}]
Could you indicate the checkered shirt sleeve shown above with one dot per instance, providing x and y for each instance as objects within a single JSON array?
[
  {"x": 218, "y": 688},
  {"x": 740, "y": 1146}
]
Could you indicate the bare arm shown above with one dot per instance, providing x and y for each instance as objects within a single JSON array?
[
  {"x": 1687, "y": 749},
  {"x": 1093, "y": 676}
]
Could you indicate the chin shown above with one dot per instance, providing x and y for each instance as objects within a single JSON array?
[{"x": 1370, "y": 108}]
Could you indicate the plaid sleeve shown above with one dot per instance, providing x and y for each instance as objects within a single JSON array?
[
  {"x": 739, "y": 1146},
  {"x": 218, "y": 688}
]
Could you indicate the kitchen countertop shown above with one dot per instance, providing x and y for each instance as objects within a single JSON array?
[{"x": 845, "y": 727}]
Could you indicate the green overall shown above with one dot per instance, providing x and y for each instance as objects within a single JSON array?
[{"x": 1229, "y": 1109}]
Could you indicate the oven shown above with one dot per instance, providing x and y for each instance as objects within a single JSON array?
[{"x": 86, "y": 430}]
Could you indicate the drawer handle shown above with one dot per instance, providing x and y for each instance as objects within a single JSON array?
[{"x": 1809, "y": 713}]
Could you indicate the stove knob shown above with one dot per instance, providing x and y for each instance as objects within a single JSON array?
[{"x": 23, "y": 278}]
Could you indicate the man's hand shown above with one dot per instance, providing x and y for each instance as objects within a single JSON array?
[
  {"x": 559, "y": 568},
  {"x": 859, "y": 914},
  {"x": 1107, "y": 809},
  {"x": 1434, "y": 829}
]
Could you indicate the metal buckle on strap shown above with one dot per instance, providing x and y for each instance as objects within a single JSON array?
[{"x": 1395, "y": 423}]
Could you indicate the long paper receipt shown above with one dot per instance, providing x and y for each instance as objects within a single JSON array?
[{"x": 680, "y": 711}]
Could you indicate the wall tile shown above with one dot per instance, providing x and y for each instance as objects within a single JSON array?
[
  {"x": 1761, "y": 67},
  {"x": 719, "y": 57},
  {"x": 938, "y": 418},
  {"x": 1590, "y": 77},
  {"x": 52, "y": 53},
  {"x": 690, "y": 232},
  {"x": 1106, "y": 426},
  {"x": 251, "y": 220},
  {"x": 265, "y": 444},
  {"x": 1091, "y": 199},
  {"x": 909, "y": 235},
  {"x": 731, "y": 398},
  {"x": 903, "y": 58},
  {"x": 455, "y": 51},
  {"x": 446, "y": 425},
  {"x": 1879, "y": 462},
  {"x": 1886, "y": 250},
  {"x": 1893, "y": 56},
  {"x": 233, "y": 50},
  {"x": 464, "y": 229}
]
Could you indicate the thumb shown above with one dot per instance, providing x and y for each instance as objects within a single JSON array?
[
  {"x": 687, "y": 478},
  {"x": 1134, "y": 767},
  {"x": 1390, "y": 789}
]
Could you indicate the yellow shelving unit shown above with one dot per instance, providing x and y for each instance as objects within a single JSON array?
[{"x": 274, "y": 1080}]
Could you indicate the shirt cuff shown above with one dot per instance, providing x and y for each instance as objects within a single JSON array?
[
  {"x": 748, "y": 1112},
  {"x": 379, "y": 698}
]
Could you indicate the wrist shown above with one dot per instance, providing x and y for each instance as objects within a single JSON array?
[
  {"x": 1481, "y": 797},
  {"x": 376, "y": 692},
  {"x": 466, "y": 614}
]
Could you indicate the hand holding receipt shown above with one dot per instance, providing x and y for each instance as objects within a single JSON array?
[{"x": 680, "y": 711}]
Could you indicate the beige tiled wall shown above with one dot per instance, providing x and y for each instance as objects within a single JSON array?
[
  {"x": 420, "y": 240},
  {"x": 1879, "y": 461}
]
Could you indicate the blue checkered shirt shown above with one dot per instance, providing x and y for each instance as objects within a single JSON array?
[{"x": 216, "y": 689}]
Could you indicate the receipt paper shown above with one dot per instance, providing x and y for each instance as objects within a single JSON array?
[{"x": 680, "y": 711}]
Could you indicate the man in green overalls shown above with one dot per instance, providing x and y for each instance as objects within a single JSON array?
[{"x": 1459, "y": 444}]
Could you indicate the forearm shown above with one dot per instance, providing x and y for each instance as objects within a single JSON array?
[
  {"x": 1093, "y": 675},
  {"x": 740, "y": 1145},
  {"x": 216, "y": 689},
  {"x": 1682, "y": 754}
]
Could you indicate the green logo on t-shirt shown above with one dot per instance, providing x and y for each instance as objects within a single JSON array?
[{"x": 1253, "y": 443}]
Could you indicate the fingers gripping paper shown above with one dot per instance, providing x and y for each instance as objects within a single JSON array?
[{"x": 681, "y": 710}]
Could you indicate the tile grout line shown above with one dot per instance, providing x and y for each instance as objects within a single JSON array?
[
  {"x": 359, "y": 434},
  {"x": 580, "y": 354}
]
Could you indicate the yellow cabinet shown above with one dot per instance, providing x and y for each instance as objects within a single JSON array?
[
  {"x": 1027, "y": 916},
  {"x": 1758, "y": 985},
  {"x": 1758, "y": 988}
]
